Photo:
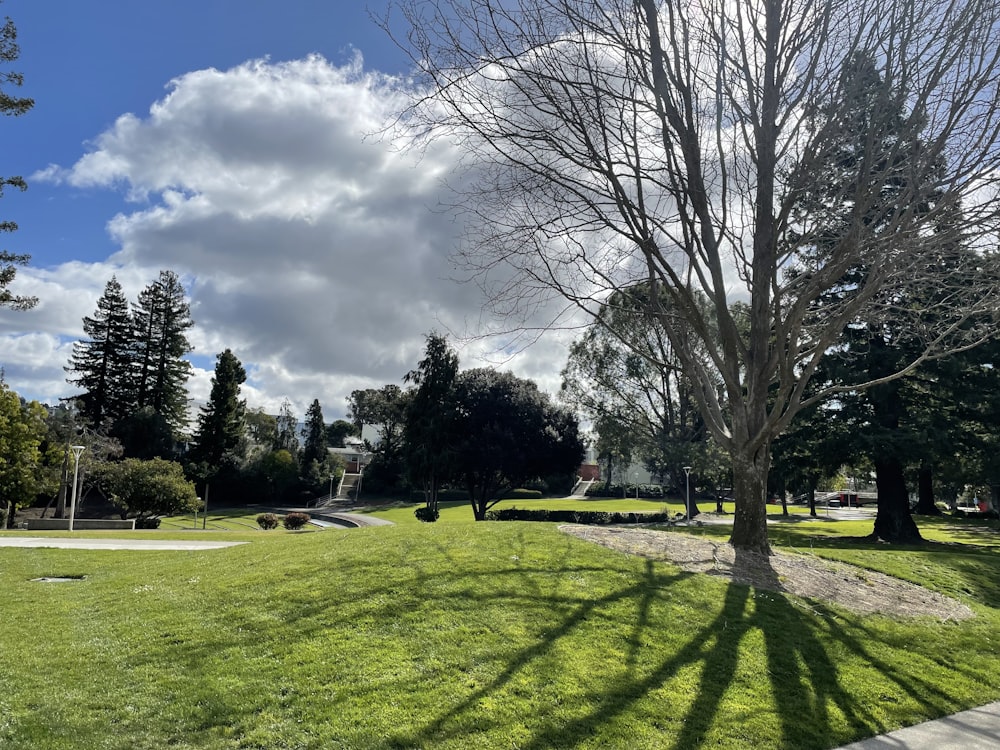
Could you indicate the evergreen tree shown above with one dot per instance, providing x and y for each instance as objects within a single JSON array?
[
  {"x": 103, "y": 363},
  {"x": 162, "y": 317},
  {"x": 11, "y": 106},
  {"x": 429, "y": 414},
  {"x": 871, "y": 175},
  {"x": 314, "y": 449},
  {"x": 287, "y": 438},
  {"x": 220, "y": 441}
]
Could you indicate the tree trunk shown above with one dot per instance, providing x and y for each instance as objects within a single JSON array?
[
  {"x": 750, "y": 485},
  {"x": 812, "y": 499},
  {"x": 63, "y": 486},
  {"x": 925, "y": 491},
  {"x": 893, "y": 522}
]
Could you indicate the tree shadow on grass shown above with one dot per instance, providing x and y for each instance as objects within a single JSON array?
[{"x": 805, "y": 681}]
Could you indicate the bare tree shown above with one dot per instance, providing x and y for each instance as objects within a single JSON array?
[{"x": 611, "y": 142}]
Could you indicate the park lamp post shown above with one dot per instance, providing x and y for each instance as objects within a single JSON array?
[
  {"x": 330, "y": 498},
  {"x": 77, "y": 450},
  {"x": 687, "y": 494}
]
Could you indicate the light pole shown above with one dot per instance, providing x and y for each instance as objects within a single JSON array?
[
  {"x": 330, "y": 498},
  {"x": 77, "y": 450},
  {"x": 687, "y": 495}
]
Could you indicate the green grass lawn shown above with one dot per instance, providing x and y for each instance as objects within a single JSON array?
[{"x": 465, "y": 635}]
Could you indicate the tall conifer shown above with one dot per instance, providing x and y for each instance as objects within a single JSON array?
[{"x": 102, "y": 363}]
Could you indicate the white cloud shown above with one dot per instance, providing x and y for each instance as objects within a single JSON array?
[{"x": 311, "y": 249}]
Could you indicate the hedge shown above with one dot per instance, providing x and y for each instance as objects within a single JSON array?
[{"x": 589, "y": 517}]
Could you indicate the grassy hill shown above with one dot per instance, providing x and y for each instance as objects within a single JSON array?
[{"x": 463, "y": 635}]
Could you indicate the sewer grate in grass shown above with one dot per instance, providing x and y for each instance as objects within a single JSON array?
[{"x": 57, "y": 579}]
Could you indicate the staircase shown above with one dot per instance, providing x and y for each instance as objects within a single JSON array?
[{"x": 349, "y": 486}]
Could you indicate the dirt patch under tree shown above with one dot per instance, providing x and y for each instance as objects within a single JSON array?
[{"x": 857, "y": 589}]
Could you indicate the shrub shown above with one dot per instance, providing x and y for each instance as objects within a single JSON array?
[
  {"x": 428, "y": 515},
  {"x": 147, "y": 522},
  {"x": 522, "y": 494},
  {"x": 3, "y": 518},
  {"x": 267, "y": 521},
  {"x": 591, "y": 517},
  {"x": 295, "y": 521}
]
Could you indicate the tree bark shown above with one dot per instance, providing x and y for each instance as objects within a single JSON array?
[
  {"x": 893, "y": 522},
  {"x": 925, "y": 491},
  {"x": 750, "y": 484}
]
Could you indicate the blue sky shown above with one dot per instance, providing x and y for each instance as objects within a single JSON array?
[{"x": 232, "y": 143}]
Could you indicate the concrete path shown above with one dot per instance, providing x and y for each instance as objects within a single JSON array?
[
  {"x": 115, "y": 544},
  {"x": 975, "y": 729}
]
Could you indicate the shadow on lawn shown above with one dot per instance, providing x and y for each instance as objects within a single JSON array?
[{"x": 805, "y": 681}]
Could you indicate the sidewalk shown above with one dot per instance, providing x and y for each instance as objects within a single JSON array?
[{"x": 975, "y": 729}]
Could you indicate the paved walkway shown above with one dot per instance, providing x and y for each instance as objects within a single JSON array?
[
  {"x": 130, "y": 544},
  {"x": 975, "y": 729}
]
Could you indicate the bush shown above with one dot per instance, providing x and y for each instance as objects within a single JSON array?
[
  {"x": 295, "y": 521},
  {"x": 267, "y": 521},
  {"x": 428, "y": 515},
  {"x": 590, "y": 517},
  {"x": 522, "y": 494},
  {"x": 147, "y": 522},
  {"x": 3, "y": 518}
]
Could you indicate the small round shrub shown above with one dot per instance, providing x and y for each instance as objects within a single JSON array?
[
  {"x": 147, "y": 522},
  {"x": 267, "y": 521},
  {"x": 295, "y": 521},
  {"x": 428, "y": 515}
]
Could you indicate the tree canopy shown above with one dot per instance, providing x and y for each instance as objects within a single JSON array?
[
  {"x": 12, "y": 106},
  {"x": 506, "y": 431},
  {"x": 622, "y": 141}
]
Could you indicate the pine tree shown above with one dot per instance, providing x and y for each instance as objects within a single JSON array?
[
  {"x": 103, "y": 362},
  {"x": 428, "y": 417},
  {"x": 315, "y": 445},
  {"x": 12, "y": 106},
  {"x": 287, "y": 438},
  {"x": 873, "y": 142},
  {"x": 220, "y": 439},
  {"x": 162, "y": 316}
]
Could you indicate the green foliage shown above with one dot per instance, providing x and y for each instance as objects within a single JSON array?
[
  {"x": 162, "y": 317},
  {"x": 429, "y": 417},
  {"x": 148, "y": 487},
  {"x": 314, "y": 447},
  {"x": 520, "y": 493},
  {"x": 147, "y": 522},
  {"x": 22, "y": 429},
  {"x": 628, "y": 490},
  {"x": 12, "y": 106},
  {"x": 268, "y": 521},
  {"x": 386, "y": 409},
  {"x": 286, "y": 437},
  {"x": 589, "y": 517},
  {"x": 102, "y": 363},
  {"x": 220, "y": 441},
  {"x": 295, "y": 521},
  {"x": 427, "y": 514},
  {"x": 8, "y": 270},
  {"x": 145, "y": 433},
  {"x": 281, "y": 474},
  {"x": 626, "y": 375},
  {"x": 505, "y": 433},
  {"x": 338, "y": 431}
]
